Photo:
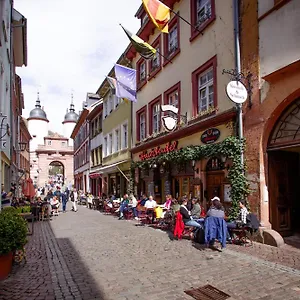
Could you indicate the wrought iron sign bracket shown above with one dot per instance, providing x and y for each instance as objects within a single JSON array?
[{"x": 245, "y": 79}]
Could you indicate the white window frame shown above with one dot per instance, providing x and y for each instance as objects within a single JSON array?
[
  {"x": 117, "y": 139},
  {"x": 116, "y": 101},
  {"x": 105, "y": 109},
  {"x": 144, "y": 129},
  {"x": 156, "y": 118},
  {"x": 142, "y": 78},
  {"x": 105, "y": 148},
  {"x": 205, "y": 90},
  {"x": 110, "y": 144},
  {"x": 124, "y": 138},
  {"x": 203, "y": 11},
  {"x": 171, "y": 98},
  {"x": 173, "y": 39},
  {"x": 155, "y": 62}
]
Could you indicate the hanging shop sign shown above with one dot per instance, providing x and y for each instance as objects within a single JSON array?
[
  {"x": 169, "y": 147},
  {"x": 236, "y": 92},
  {"x": 210, "y": 135}
]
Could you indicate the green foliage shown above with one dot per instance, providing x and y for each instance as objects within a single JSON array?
[
  {"x": 13, "y": 231},
  {"x": 231, "y": 147},
  {"x": 23, "y": 209},
  {"x": 9, "y": 210}
]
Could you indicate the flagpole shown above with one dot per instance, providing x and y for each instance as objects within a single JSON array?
[
  {"x": 187, "y": 22},
  {"x": 164, "y": 57}
]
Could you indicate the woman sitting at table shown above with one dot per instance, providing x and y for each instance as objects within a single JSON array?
[
  {"x": 187, "y": 220},
  {"x": 196, "y": 210}
]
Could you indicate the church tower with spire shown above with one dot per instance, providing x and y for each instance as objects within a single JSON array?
[
  {"x": 37, "y": 125},
  {"x": 38, "y": 129},
  {"x": 69, "y": 122}
]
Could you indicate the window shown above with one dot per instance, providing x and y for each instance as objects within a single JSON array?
[
  {"x": 154, "y": 115},
  {"x": 172, "y": 96},
  {"x": 155, "y": 63},
  {"x": 202, "y": 14},
  {"x": 105, "y": 147},
  {"x": 205, "y": 90},
  {"x": 105, "y": 109},
  {"x": 172, "y": 40},
  {"x": 49, "y": 143},
  {"x": 124, "y": 136},
  {"x": 144, "y": 19},
  {"x": 63, "y": 144},
  {"x": 204, "y": 87},
  {"x": 141, "y": 72},
  {"x": 117, "y": 101},
  {"x": 111, "y": 104},
  {"x": 117, "y": 140},
  {"x": 141, "y": 126},
  {"x": 110, "y": 144},
  {"x": 203, "y": 11}
]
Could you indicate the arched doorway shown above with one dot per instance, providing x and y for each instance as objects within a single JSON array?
[
  {"x": 284, "y": 171},
  {"x": 56, "y": 173}
]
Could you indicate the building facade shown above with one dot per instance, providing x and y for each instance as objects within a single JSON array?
[
  {"x": 188, "y": 77},
  {"x": 270, "y": 51},
  {"x": 95, "y": 119},
  {"x": 50, "y": 151},
  {"x": 13, "y": 53},
  {"x": 82, "y": 150},
  {"x": 116, "y": 140},
  {"x": 54, "y": 161}
]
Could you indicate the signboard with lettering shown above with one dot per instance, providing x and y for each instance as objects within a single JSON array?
[
  {"x": 169, "y": 147},
  {"x": 210, "y": 135}
]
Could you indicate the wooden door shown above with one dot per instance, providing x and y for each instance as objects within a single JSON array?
[
  {"x": 214, "y": 185},
  {"x": 282, "y": 185}
]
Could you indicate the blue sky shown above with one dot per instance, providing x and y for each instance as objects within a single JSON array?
[{"x": 72, "y": 45}]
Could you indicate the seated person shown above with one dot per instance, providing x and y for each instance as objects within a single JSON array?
[
  {"x": 196, "y": 210},
  {"x": 187, "y": 220},
  {"x": 150, "y": 206},
  {"x": 54, "y": 205},
  {"x": 242, "y": 217},
  {"x": 143, "y": 201},
  {"x": 123, "y": 206},
  {"x": 216, "y": 210},
  {"x": 167, "y": 204}
]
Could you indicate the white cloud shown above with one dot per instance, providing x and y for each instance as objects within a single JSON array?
[{"x": 72, "y": 44}]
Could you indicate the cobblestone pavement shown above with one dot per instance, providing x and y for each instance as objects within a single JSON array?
[
  {"x": 33, "y": 279},
  {"x": 94, "y": 256}
]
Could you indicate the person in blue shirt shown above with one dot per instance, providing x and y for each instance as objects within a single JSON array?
[{"x": 64, "y": 201}]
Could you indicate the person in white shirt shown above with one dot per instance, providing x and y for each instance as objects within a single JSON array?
[
  {"x": 133, "y": 203},
  {"x": 74, "y": 198},
  {"x": 150, "y": 205}
]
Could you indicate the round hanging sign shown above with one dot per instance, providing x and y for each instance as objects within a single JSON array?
[
  {"x": 236, "y": 92},
  {"x": 210, "y": 135}
]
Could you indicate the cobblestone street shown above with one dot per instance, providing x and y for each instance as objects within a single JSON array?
[{"x": 88, "y": 255}]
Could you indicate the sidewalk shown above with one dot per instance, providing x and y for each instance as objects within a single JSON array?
[{"x": 88, "y": 255}]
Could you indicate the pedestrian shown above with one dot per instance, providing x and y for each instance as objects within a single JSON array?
[
  {"x": 64, "y": 201},
  {"x": 74, "y": 197}
]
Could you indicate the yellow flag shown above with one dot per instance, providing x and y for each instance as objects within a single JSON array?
[{"x": 159, "y": 14}]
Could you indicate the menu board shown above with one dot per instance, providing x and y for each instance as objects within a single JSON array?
[
  {"x": 167, "y": 187},
  {"x": 151, "y": 189},
  {"x": 227, "y": 189}
]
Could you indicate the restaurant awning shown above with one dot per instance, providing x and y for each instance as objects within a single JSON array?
[
  {"x": 95, "y": 175},
  {"x": 112, "y": 167}
]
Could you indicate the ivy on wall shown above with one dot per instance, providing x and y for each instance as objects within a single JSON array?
[{"x": 231, "y": 147}]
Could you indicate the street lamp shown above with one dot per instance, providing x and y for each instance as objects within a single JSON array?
[{"x": 22, "y": 146}]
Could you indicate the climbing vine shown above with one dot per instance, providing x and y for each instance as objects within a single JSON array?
[{"x": 231, "y": 147}]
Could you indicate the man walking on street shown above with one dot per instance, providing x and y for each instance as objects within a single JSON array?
[
  {"x": 73, "y": 197},
  {"x": 64, "y": 201}
]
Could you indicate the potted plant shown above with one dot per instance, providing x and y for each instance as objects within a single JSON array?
[{"x": 13, "y": 232}]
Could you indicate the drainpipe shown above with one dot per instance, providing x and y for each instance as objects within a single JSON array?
[{"x": 237, "y": 51}]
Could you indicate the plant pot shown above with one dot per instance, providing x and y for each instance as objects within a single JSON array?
[{"x": 5, "y": 265}]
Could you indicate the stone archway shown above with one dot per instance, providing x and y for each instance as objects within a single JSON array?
[
  {"x": 56, "y": 173},
  {"x": 284, "y": 170}
]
